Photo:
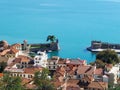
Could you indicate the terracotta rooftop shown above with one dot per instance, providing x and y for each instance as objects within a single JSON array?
[
  {"x": 72, "y": 81},
  {"x": 72, "y": 71},
  {"x": 30, "y": 86},
  {"x": 25, "y": 81},
  {"x": 98, "y": 85},
  {"x": 76, "y": 62},
  {"x": 24, "y": 58},
  {"x": 99, "y": 71},
  {"x": 13, "y": 51},
  {"x": 87, "y": 78},
  {"x": 61, "y": 61},
  {"x": 109, "y": 65},
  {"x": 85, "y": 70},
  {"x": 54, "y": 58},
  {"x": 16, "y": 45},
  {"x": 17, "y": 60},
  {"x": 72, "y": 88},
  {"x": 3, "y": 59},
  {"x": 32, "y": 70},
  {"x": 57, "y": 84},
  {"x": 72, "y": 84},
  {"x": 1, "y": 75},
  {"x": 4, "y": 52}
]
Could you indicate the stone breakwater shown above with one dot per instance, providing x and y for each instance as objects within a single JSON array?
[{"x": 48, "y": 47}]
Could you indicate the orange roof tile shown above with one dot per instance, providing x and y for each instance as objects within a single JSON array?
[
  {"x": 30, "y": 86},
  {"x": 24, "y": 58},
  {"x": 4, "y": 52},
  {"x": 3, "y": 59},
  {"x": 98, "y": 85},
  {"x": 14, "y": 51},
  {"x": 109, "y": 65},
  {"x": 72, "y": 88},
  {"x": 16, "y": 45},
  {"x": 1, "y": 75},
  {"x": 99, "y": 71},
  {"x": 32, "y": 70},
  {"x": 85, "y": 70},
  {"x": 25, "y": 81},
  {"x": 72, "y": 84}
]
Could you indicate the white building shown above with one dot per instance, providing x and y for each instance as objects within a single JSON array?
[
  {"x": 41, "y": 59},
  {"x": 113, "y": 74}
]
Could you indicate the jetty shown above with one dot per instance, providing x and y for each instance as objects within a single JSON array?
[
  {"x": 48, "y": 47},
  {"x": 97, "y": 46}
]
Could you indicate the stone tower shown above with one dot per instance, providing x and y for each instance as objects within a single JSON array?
[{"x": 25, "y": 45}]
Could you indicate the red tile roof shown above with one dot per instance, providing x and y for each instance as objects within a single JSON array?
[
  {"x": 30, "y": 86},
  {"x": 85, "y": 70},
  {"x": 99, "y": 71},
  {"x": 32, "y": 70},
  {"x": 72, "y": 84},
  {"x": 76, "y": 62},
  {"x": 4, "y": 52},
  {"x": 98, "y": 85},
  {"x": 16, "y": 45},
  {"x": 1, "y": 75},
  {"x": 109, "y": 65},
  {"x": 72, "y": 88},
  {"x": 25, "y": 81},
  {"x": 14, "y": 50},
  {"x": 24, "y": 58}
]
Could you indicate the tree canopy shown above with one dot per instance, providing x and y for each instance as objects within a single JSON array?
[
  {"x": 42, "y": 81},
  {"x": 2, "y": 66},
  {"x": 108, "y": 56},
  {"x": 51, "y": 38},
  {"x": 99, "y": 63},
  {"x": 10, "y": 83}
]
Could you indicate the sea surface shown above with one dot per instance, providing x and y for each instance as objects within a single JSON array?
[{"x": 74, "y": 22}]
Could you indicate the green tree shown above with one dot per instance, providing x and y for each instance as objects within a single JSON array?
[
  {"x": 2, "y": 66},
  {"x": 108, "y": 56},
  {"x": 51, "y": 38},
  {"x": 99, "y": 63},
  {"x": 42, "y": 81},
  {"x": 10, "y": 83}
]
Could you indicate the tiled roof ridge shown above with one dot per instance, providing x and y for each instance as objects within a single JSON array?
[
  {"x": 88, "y": 69},
  {"x": 100, "y": 84},
  {"x": 87, "y": 77},
  {"x": 28, "y": 82}
]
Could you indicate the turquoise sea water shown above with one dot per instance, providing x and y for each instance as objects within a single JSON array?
[{"x": 74, "y": 22}]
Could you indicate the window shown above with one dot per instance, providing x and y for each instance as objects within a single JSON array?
[
  {"x": 29, "y": 76},
  {"x": 24, "y": 75},
  {"x": 11, "y": 75},
  {"x": 14, "y": 74},
  {"x": 37, "y": 61}
]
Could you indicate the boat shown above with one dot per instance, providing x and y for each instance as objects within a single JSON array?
[{"x": 97, "y": 46}]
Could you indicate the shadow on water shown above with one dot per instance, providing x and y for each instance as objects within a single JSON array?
[{"x": 53, "y": 53}]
